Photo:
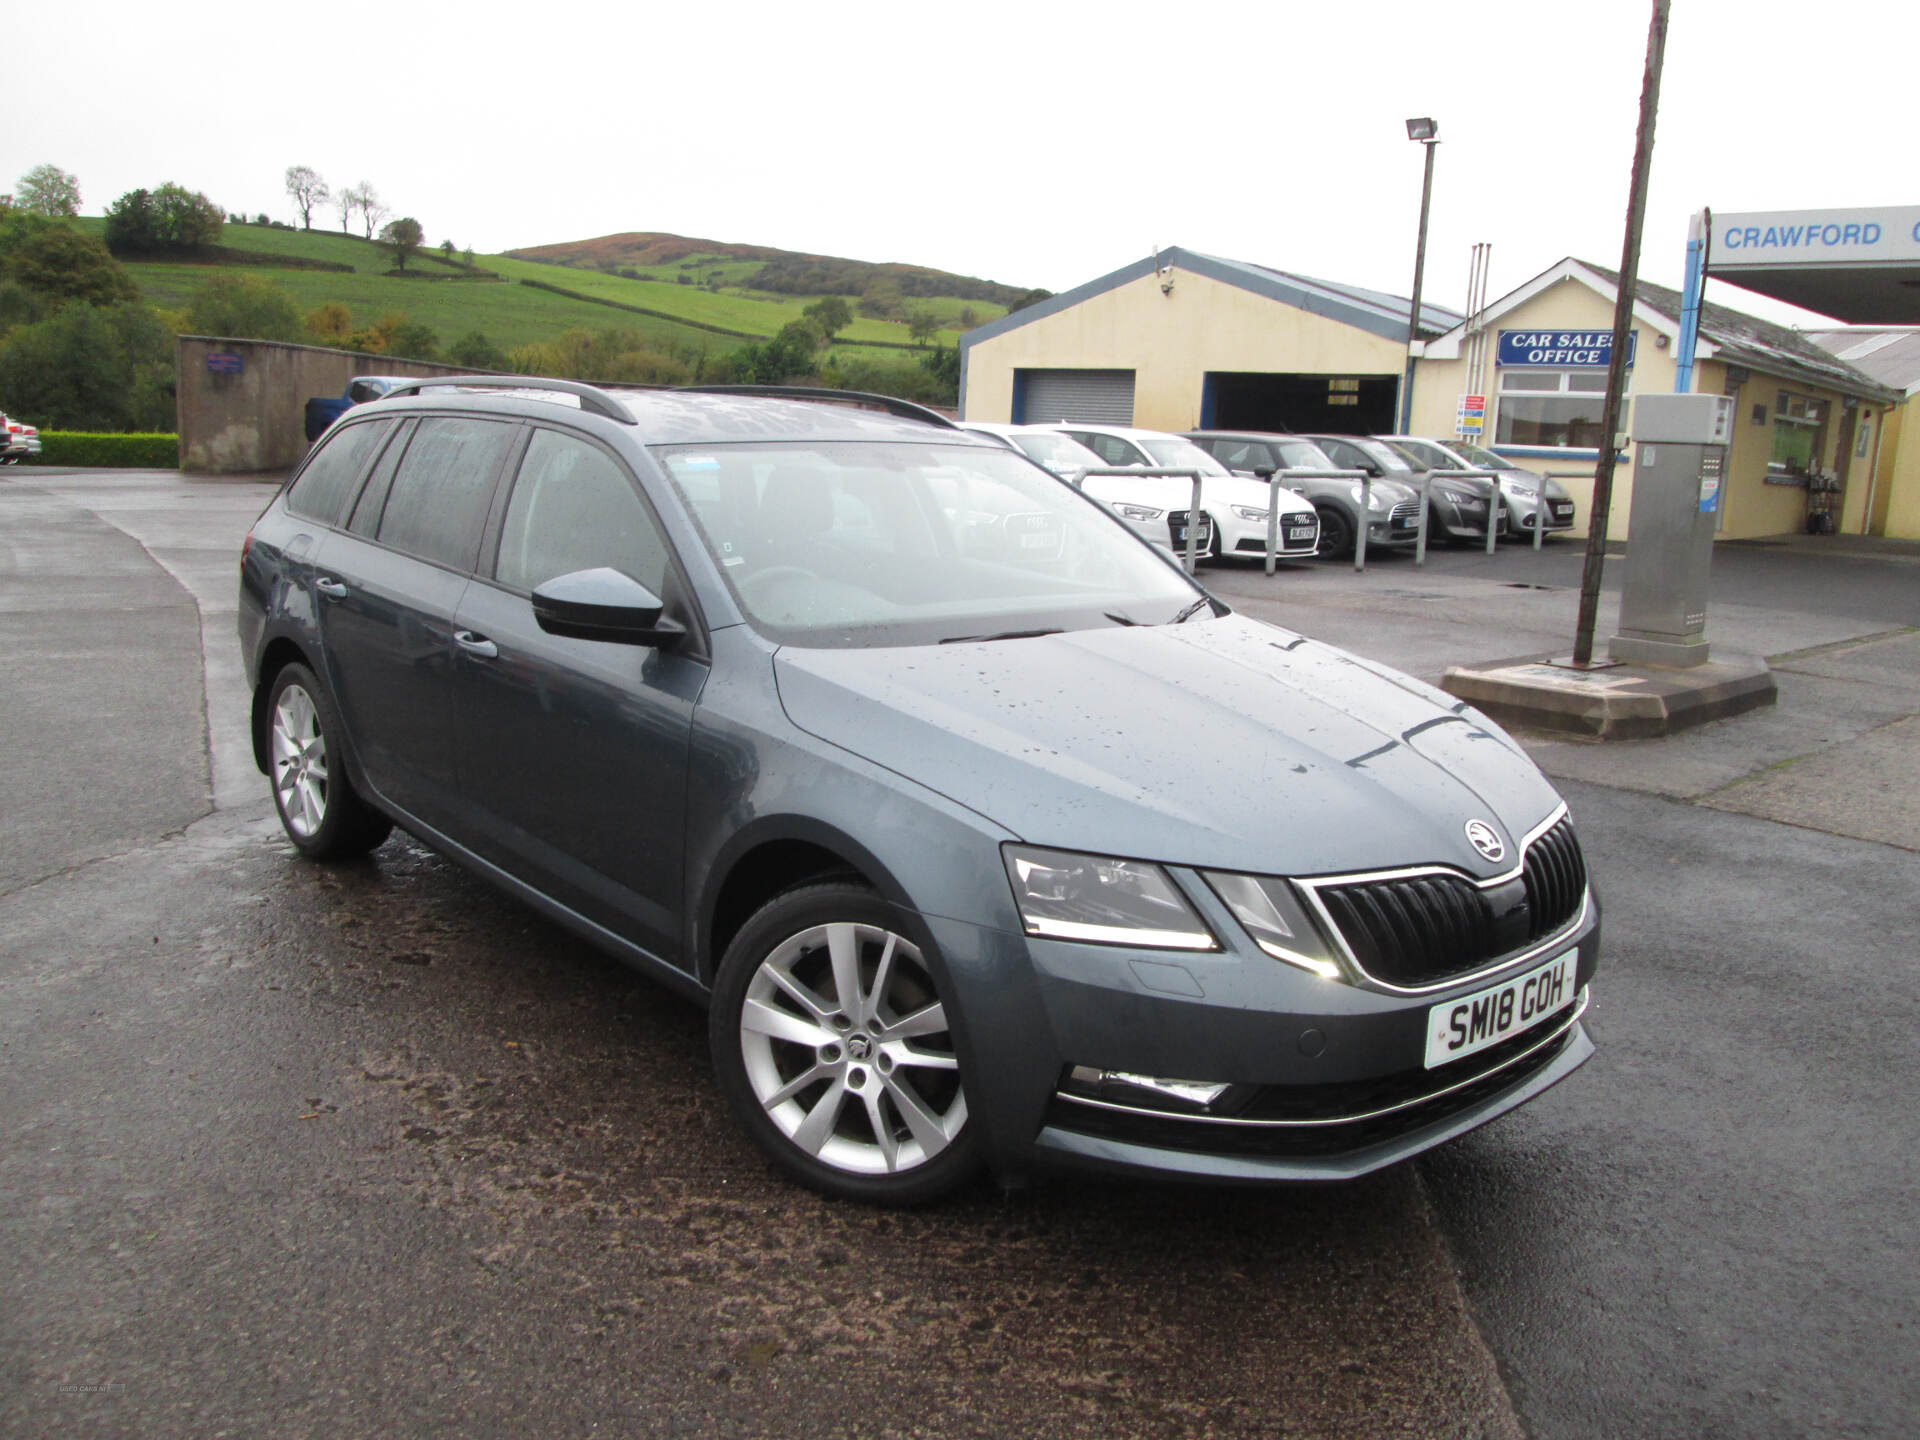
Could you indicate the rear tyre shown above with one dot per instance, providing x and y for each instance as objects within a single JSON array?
[
  {"x": 833, "y": 1047},
  {"x": 323, "y": 815},
  {"x": 1336, "y": 533}
]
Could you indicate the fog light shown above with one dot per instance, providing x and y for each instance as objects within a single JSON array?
[{"x": 1123, "y": 1087}]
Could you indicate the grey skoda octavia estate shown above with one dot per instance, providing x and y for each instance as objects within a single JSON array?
[{"x": 986, "y": 836}]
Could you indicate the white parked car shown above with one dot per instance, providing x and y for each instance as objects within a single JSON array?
[
  {"x": 1153, "y": 506},
  {"x": 1236, "y": 505},
  {"x": 17, "y": 441}
]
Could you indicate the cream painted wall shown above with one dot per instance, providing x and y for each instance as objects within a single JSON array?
[
  {"x": 1752, "y": 507},
  {"x": 1170, "y": 341},
  {"x": 1897, "y": 498}
]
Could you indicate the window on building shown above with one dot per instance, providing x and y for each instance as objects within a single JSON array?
[
  {"x": 1565, "y": 408},
  {"x": 1799, "y": 437}
]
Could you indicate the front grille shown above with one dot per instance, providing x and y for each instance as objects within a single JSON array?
[
  {"x": 1416, "y": 930},
  {"x": 1407, "y": 512},
  {"x": 1556, "y": 880},
  {"x": 1413, "y": 931}
]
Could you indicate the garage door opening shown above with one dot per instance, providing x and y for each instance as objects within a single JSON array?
[
  {"x": 1093, "y": 397},
  {"x": 1331, "y": 404}
]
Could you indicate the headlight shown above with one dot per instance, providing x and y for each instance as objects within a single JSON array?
[
  {"x": 1139, "y": 512},
  {"x": 1277, "y": 921},
  {"x": 1247, "y": 512},
  {"x": 1459, "y": 497},
  {"x": 1090, "y": 897},
  {"x": 1516, "y": 487}
]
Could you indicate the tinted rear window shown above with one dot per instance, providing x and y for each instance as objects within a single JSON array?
[
  {"x": 324, "y": 487},
  {"x": 437, "y": 507}
]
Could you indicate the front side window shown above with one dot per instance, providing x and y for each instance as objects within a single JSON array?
[
  {"x": 327, "y": 483},
  {"x": 437, "y": 506},
  {"x": 1562, "y": 408},
  {"x": 1059, "y": 453},
  {"x": 574, "y": 507},
  {"x": 846, "y": 544}
]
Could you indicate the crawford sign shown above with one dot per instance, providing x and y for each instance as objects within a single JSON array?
[{"x": 1561, "y": 349}]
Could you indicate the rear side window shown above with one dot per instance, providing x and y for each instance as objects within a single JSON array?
[
  {"x": 575, "y": 508},
  {"x": 437, "y": 506},
  {"x": 327, "y": 483}
]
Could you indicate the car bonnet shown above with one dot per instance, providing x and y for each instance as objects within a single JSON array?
[{"x": 1225, "y": 743}]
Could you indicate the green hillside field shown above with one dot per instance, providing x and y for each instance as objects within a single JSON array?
[{"x": 511, "y": 312}]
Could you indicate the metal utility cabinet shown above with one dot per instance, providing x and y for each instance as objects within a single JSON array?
[{"x": 1680, "y": 455}]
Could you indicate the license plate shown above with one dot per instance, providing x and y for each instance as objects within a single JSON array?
[
  {"x": 1301, "y": 532},
  {"x": 1457, "y": 1028},
  {"x": 1037, "y": 540},
  {"x": 1563, "y": 512}
]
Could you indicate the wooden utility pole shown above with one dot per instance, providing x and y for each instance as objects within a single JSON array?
[{"x": 1622, "y": 329}]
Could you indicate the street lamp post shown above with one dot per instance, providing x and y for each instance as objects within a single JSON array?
[{"x": 1427, "y": 133}]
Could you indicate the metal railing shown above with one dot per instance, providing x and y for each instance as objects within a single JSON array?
[
  {"x": 1540, "y": 520},
  {"x": 1078, "y": 479},
  {"x": 1426, "y": 502},
  {"x": 1279, "y": 481}
]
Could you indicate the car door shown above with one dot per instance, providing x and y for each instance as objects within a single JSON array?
[
  {"x": 388, "y": 589},
  {"x": 573, "y": 753}
]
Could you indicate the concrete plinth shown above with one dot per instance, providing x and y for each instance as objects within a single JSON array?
[{"x": 1612, "y": 702}]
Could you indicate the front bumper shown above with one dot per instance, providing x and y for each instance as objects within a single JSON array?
[
  {"x": 1249, "y": 537},
  {"x": 1328, "y": 1079}
]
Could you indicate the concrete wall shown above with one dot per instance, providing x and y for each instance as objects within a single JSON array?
[
  {"x": 256, "y": 420},
  {"x": 1170, "y": 341}
]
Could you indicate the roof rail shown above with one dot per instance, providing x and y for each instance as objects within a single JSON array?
[
  {"x": 893, "y": 405},
  {"x": 593, "y": 400}
]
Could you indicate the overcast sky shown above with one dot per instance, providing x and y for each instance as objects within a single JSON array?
[{"x": 1030, "y": 143}]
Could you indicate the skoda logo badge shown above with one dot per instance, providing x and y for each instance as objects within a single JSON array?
[{"x": 1485, "y": 840}]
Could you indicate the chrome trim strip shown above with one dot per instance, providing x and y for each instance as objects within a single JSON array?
[
  {"x": 1409, "y": 872},
  {"x": 1518, "y": 958},
  {"x": 1311, "y": 886},
  {"x": 1580, "y": 1004}
]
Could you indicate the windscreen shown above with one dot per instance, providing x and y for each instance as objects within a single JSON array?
[
  {"x": 1485, "y": 459},
  {"x": 1173, "y": 453},
  {"x": 850, "y": 544},
  {"x": 1061, "y": 454},
  {"x": 1302, "y": 455}
]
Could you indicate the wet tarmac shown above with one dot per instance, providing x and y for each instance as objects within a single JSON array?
[{"x": 298, "y": 1150}]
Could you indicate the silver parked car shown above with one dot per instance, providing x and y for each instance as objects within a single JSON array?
[{"x": 1525, "y": 492}]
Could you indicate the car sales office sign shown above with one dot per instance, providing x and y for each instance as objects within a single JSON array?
[{"x": 1561, "y": 349}]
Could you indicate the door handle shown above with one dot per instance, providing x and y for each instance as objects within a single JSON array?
[
  {"x": 332, "y": 589},
  {"x": 476, "y": 645}
]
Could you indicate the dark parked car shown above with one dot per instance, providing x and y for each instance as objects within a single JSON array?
[
  {"x": 1393, "y": 510},
  {"x": 1459, "y": 503},
  {"x": 986, "y": 835}
]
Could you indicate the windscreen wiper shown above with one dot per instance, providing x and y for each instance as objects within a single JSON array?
[
  {"x": 1002, "y": 635},
  {"x": 1191, "y": 610}
]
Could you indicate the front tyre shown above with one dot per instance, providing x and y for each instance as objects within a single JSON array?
[
  {"x": 833, "y": 1046},
  {"x": 323, "y": 815}
]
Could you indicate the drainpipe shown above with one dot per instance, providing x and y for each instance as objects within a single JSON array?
[{"x": 1699, "y": 237}]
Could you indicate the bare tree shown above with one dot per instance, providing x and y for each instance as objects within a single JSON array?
[
  {"x": 347, "y": 202},
  {"x": 308, "y": 190},
  {"x": 373, "y": 210}
]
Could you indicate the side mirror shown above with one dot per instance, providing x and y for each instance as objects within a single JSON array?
[
  {"x": 1371, "y": 468},
  {"x": 604, "y": 604},
  {"x": 1263, "y": 472}
]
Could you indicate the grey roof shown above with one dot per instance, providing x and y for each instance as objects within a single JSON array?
[
  {"x": 1743, "y": 339},
  {"x": 1369, "y": 310},
  {"x": 1888, "y": 353}
]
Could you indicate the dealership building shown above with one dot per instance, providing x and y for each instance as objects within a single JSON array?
[{"x": 1183, "y": 340}]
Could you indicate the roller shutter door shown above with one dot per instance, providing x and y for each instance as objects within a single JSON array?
[{"x": 1093, "y": 397}]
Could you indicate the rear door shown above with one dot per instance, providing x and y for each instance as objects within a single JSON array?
[
  {"x": 573, "y": 753},
  {"x": 388, "y": 589}
]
